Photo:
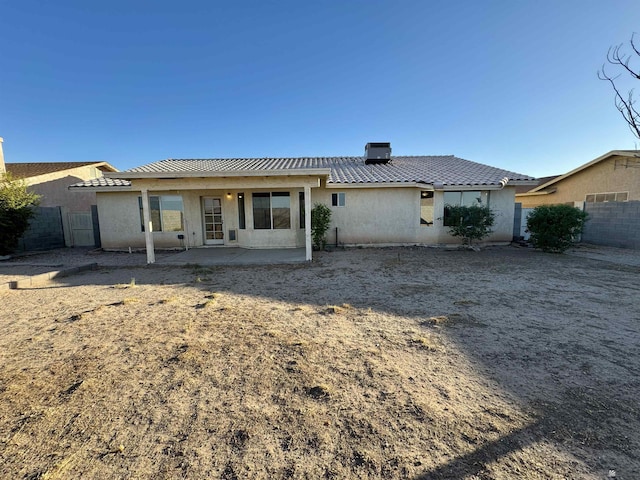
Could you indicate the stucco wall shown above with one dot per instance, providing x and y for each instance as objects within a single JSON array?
[
  {"x": 392, "y": 215},
  {"x": 609, "y": 175},
  {"x": 54, "y": 192},
  {"x": 371, "y": 216},
  {"x": 119, "y": 217}
]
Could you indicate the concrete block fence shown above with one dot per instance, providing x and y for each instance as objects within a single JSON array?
[
  {"x": 614, "y": 224},
  {"x": 45, "y": 230}
]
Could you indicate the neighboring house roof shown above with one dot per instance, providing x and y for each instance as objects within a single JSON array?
[
  {"x": 539, "y": 181},
  {"x": 445, "y": 169},
  {"x": 612, "y": 153},
  {"x": 27, "y": 170}
]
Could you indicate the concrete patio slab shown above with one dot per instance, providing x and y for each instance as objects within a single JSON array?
[{"x": 234, "y": 256}]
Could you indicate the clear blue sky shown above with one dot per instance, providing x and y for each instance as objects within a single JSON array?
[{"x": 509, "y": 83}]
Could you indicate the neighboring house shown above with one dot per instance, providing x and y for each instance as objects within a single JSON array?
[
  {"x": 613, "y": 177},
  {"x": 539, "y": 181},
  {"x": 377, "y": 199},
  {"x": 51, "y": 180}
]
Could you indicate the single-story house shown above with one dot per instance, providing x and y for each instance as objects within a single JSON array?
[
  {"x": 612, "y": 177},
  {"x": 377, "y": 199},
  {"x": 51, "y": 181}
]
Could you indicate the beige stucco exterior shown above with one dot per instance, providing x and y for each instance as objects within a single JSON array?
[
  {"x": 119, "y": 215},
  {"x": 54, "y": 188},
  {"x": 391, "y": 215},
  {"x": 384, "y": 215},
  {"x": 608, "y": 174}
]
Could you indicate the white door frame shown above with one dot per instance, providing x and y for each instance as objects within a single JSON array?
[{"x": 217, "y": 235}]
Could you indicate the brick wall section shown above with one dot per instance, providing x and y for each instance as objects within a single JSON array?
[
  {"x": 45, "y": 230},
  {"x": 614, "y": 224}
]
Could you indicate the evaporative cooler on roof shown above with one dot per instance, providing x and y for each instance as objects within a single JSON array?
[{"x": 375, "y": 153}]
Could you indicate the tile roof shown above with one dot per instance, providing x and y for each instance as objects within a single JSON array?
[
  {"x": 103, "y": 182},
  {"x": 445, "y": 169},
  {"x": 26, "y": 170}
]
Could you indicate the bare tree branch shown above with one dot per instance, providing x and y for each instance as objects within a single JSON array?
[
  {"x": 633, "y": 45},
  {"x": 626, "y": 106}
]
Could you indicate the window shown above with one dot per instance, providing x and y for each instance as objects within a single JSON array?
[
  {"x": 271, "y": 210},
  {"x": 280, "y": 210},
  {"x": 241, "y": 213},
  {"x": 426, "y": 208},
  {"x": 338, "y": 199},
  {"x": 607, "y": 197},
  {"x": 261, "y": 211},
  {"x": 301, "y": 206},
  {"x": 165, "y": 212},
  {"x": 465, "y": 199}
]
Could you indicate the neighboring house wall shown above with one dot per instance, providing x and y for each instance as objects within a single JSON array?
[
  {"x": 615, "y": 224},
  {"x": 53, "y": 188},
  {"x": 615, "y": 174},
  {"x": 45, "y": 230},
  {"x": 369, "y": 216}
]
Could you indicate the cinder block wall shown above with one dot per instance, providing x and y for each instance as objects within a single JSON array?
[
  {"x": 615, "y": 224},
  {"x": 45, "y": 230}
]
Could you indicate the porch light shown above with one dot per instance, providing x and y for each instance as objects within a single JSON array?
[{"x": 228, "y": 195}]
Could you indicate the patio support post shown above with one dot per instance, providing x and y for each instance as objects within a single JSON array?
[
  {"x": 148, "y": 227},
  {"x": 307, "y": 222}
]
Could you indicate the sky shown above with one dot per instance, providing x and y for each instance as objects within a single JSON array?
[{"x": 508, "y": 83}]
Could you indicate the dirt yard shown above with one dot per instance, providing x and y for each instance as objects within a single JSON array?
[{"x": 377, "y": 363}]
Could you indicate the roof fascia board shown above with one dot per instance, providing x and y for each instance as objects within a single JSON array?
[
  {"x": 223, "y": 173},
  {"x": 106, "y": 165},
  {"x": 528, "y": 194},
  {"x": 421, "y": 186}
]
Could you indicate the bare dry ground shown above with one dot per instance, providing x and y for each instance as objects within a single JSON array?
[{"x": 378, "y": 363}]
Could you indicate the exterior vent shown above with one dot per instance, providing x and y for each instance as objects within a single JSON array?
[{"x": 376, "y": 153}]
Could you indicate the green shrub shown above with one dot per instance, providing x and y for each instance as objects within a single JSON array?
[
  {"x": 320, "y": 221},
  {"x": 471, "y": 223},
  {"x": 553, "y": 228},
  {"x": 16, "y": 208}
]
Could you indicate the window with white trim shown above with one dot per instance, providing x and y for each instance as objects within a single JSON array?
[
  {"x": 464, "y": 198},
  {"x": 338, "y": 199},
  {"x": 607, "y": 197}
]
